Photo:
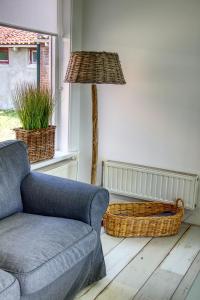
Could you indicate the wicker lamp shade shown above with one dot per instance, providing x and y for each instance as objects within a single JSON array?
[{"x": 94, "y": 67}]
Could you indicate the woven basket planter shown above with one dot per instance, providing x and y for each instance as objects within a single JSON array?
[
  {"x": 143, "y": 219},
  {"x": 40, "y": 142}
]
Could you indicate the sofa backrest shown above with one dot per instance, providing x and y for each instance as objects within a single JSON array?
[{"x": 14, "y": 166}]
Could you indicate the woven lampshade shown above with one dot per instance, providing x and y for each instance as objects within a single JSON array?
[{"x": 94, "y": 67}]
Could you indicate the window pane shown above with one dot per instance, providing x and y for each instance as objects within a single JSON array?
[
  {"x": 20, "y": 47},
  {"x": 8, "y": 121},
  {"x": 34, "y": 57},
  {"x": 3, "y": 54}
]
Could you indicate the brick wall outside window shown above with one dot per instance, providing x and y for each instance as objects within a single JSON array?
[{"x": 44, "y": 66}]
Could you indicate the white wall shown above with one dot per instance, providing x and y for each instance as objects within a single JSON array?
[
  {"x": 35, "y": 15},
  {"x": 155, "y": 118}
]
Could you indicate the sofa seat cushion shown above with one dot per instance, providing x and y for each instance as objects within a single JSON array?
[
  {"x": 38, "y": 249},
  {"x": 9, "y": 287}
]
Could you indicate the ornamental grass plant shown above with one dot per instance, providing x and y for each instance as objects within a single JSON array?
[{"x": 34, "y": 106}]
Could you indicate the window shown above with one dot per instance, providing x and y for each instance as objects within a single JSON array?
[
  {"x": 19, "y": 49},
  {"x": 4, "y": 56},
  {"x": 33, "y": 56}
]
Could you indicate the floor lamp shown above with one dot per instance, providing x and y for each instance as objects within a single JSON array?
[{"x": 94, "y": 68}]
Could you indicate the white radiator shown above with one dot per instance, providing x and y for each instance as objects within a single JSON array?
[{"x": 150, "y": 183}]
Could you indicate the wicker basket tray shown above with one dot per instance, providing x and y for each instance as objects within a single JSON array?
[
  {"x": 40, "y": 142},
  {"x": 143, "y": 219}
]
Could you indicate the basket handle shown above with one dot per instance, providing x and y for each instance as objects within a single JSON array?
[{"x": 179, "y": 203}]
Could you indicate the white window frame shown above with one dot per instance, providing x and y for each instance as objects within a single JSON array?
[
  {"x": 31, "y": 60},
  {"x": 60, "y": 55}
]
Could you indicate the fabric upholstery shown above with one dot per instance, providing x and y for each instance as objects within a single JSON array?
[
  {"x": 49, "y": 231},
  {"x": 67, "y": 285},
  {"x": 14, "y": 167},
  {"x": 53, "y": 196},
  {"x": 9, "y": 287},
  {"x": 39, "y": 249}
]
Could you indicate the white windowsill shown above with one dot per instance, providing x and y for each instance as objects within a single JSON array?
[{"x": 59, "y": 156}]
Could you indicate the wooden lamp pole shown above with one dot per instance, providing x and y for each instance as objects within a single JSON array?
[{"x": 94, "y": 134}]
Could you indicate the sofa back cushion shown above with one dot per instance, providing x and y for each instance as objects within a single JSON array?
[{"x": 14, "y": 166}]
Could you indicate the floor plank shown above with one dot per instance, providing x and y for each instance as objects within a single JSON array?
[
  {"x": 185, "y": 285},
  {"x": 102, "y": 230},
  {"x": 193, "y": 217},
  {"x": 109, "y": 243},
  {"x": 169, "y": 274},
  {"x": 116, "y": 260},
  {"x": 141, "y": 267},
  {"x": 194, "y": 293}
]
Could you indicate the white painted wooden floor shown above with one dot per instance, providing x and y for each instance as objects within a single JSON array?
[{"x": 150, "y": 268}]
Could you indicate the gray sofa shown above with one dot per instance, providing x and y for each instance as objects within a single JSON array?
[{"x": 49, "y": 231}]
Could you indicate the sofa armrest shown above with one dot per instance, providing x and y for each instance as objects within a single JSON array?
[{"x": 54, "y": 196}]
